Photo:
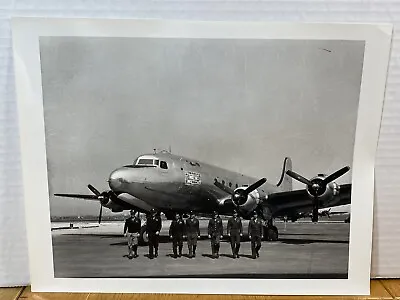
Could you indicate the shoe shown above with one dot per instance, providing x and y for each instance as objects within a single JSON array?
[
  {"x": 130, "y": 257},
  {"x": 135, "y": 256}
]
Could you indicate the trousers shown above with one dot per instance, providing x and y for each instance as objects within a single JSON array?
[{"x": 153, "y": 244}]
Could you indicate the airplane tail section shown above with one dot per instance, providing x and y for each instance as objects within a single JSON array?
[{"x": 286, "y": 181}]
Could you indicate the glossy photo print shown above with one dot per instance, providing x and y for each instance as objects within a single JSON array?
[{"x": 195, "y": 156}]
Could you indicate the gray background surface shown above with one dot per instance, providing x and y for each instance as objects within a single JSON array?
[{"x": 240, "y": 104}]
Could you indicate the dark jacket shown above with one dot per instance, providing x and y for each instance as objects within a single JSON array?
[
  {"x": 153, "y": 224},
  {"x": 192, "y": 227},
  {"x": 234, "y": 225},
  {"x": 256, "y": 227},
  {"x": 215, "y": 227},
  {"x": 177, "y": 228},
  {"x": 132, "y": 225}
]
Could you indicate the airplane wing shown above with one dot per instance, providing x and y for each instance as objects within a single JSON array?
[
  {"x": 111, "y": 200},
  {"x": 79, "y": 196},
  {"x": 285, "y": 203}
]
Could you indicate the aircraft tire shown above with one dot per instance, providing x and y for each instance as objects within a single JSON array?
[
  {"x": 271, "y": 234},
  {"x": 143, "y": 239}
]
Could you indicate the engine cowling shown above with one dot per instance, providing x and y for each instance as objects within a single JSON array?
[
  {"x": 245, "y": 202},
  {"x": 106, "y": 201},
  {"x": 329, "y": 191}
]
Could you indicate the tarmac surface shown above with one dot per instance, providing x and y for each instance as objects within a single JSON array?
[{"x": 304, "y": 250}]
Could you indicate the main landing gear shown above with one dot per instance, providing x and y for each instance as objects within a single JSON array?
[{"x": 270, "y": 232}]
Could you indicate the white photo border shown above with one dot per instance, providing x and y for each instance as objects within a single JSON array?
[{"x": 26, "y": 33}]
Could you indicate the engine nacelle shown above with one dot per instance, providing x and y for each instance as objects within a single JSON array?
[
  {"x": 107, "y": 202},
  {"x": 248, "y": 203},
  {"x": 327, "y": 195}
]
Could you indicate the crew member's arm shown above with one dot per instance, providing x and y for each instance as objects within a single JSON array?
[
  {"x": 249, "y": 229},
  {"x": 183, "y": 229},
  {"x": 240, "y": 227},
  {"x": 126, "y": 226},
  {"x": 158, "y": 225},
  {"x": 221, "y": 228},
  {"x": 198, "y": 227},
  {"x": 209, "y": 227},
  {"x": 228, "y": 228},
  {"x": 171, "y": 228}
]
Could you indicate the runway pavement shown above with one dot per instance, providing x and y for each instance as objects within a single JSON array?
[{"x": 304, "y": 250}]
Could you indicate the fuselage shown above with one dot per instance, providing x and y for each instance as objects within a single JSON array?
[{"x": 176, "y": 183}]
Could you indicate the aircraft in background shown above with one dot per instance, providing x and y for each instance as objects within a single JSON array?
[
  {"x": 321, "y": 213},
  {"x": 176, "y": 184}
]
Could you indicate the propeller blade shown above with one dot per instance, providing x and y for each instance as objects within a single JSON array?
[
  {"x": 89, "y": 197},
  {"x": 93, "y": 190},
  {"x": 298, "y": 177},
  {"x": 224, "y": 188},
  {"x": 336, "y": 175},
  {"x": 255, "y": 185},
  {"x": 101, "y": 212}
]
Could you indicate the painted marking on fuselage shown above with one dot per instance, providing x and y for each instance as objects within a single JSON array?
[{"x": 192, "y": 178}]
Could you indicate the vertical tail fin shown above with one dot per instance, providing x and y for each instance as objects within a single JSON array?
[{"x": 286, "y": 181}]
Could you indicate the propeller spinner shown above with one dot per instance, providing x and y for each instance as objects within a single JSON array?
[
  {"x": 316, "y": 187},
  {"x": 239, "y": 196},
  {"x": 103, "y": 198}
]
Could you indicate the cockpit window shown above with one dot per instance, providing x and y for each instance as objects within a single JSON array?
[
  {"x": 163, "y": 165},
  {"x": 145, "y": 161}
]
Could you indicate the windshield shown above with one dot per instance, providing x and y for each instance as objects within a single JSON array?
[{"x": 145, "y": 161}]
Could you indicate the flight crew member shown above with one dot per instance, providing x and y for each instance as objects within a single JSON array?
[
  {"x": 215, "y": 232},
  {"x": 235, "y": 232},
  {"x": 153, "y": 231},
  {"x": 192, "y": 232},
  {"x": 132, "y": 231},
  {"x": 255, "y": 234},
  {"x": 176, "y": 233}
]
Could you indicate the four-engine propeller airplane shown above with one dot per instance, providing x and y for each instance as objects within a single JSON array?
[{"x": 175, "y": 184}]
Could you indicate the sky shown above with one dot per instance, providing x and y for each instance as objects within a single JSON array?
[{"x": 239, "y": 104}]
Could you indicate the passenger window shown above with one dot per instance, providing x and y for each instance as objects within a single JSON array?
[{"x": 163, "y": 165}]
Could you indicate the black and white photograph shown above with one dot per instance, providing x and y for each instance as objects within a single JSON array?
[
  {"x": 200, "y": 157},
  {"x": 215, "y": 158}
]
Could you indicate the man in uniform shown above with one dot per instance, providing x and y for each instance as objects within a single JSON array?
[
  {"x": 255, "y": 234},
  {"x": 176, "y": 232},
  {"x": 235, "y": 232},
  {"x": 153, "y": 228},
  {"x": 192, "y": 232},
  {"x": 215, "y": 233},
  {"x": 132, "y": 230}
]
